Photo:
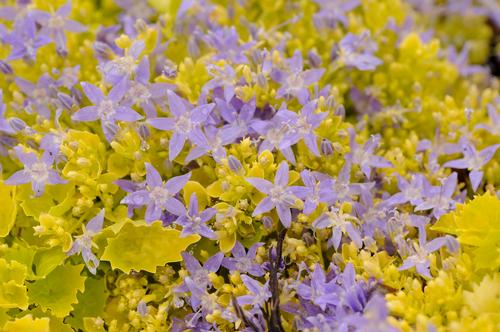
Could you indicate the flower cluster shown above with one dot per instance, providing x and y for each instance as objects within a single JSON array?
[{"x": 309, "y": 165}]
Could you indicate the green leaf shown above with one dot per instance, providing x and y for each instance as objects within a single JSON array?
[
  {"x": 58, "y": 290},
  {"x": 46, "y": 261},
  {"x": 28, "y": 324},
  {"x": 12, "y": 289},
  {"x": 90, "y": 303},
  {"x": 144, "y": 247},
  {"x": 9, "y": 208}
]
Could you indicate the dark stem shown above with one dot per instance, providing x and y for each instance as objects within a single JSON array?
[{"x": 274, "y": 317}]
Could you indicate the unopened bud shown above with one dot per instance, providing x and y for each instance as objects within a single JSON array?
[
  {"x": 234, "y": 164},
  {"x": 326, "y": 147}
]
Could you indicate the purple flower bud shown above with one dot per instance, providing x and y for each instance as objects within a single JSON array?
[
  {"x": 340, "y": 111},
  {"x": 66, "y": 101},
  {"x": 314, "y": 59},
  {"x": 267, "y": 222},
  {"x": 5, "y": 68},
  {"x": 234, "y": 164},
  {"x": 102, "y": 50},
  {"x": 326, "y": 147},
  {"x": 144, "y": 132},
  {"x": 17, "y": 124}
]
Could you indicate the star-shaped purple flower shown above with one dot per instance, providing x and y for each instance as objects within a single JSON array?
[
  {"x": 244, "y": 262},
  {"x": 108, "y": 108},
  {"x": 279, "y": 194},
  {"x": 158, "y": 196},
  {"x": 185, "y": 123},
  {"x": 37, "y": 171},
  {"x": 194, "y": 222}
]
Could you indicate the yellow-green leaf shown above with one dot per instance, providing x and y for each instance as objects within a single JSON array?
[
  {"x": 58, "y": 290},
  {"x": 28, "y": 324},
  {"x": 194, "y": 187},
  {"x": 144, "y": 247},
  {"x": 9, "y": 208}
]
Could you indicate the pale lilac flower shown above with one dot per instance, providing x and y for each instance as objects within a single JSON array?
[
  {"x": 420, "y": 257},
  {"x": 39, "y": 96},
  {"x": 357, "y": 51},
  {"x": 279, "y": 195},
  {"x": 185, "y": 123},
  {"x": 341, "y": 223},
  {"x": 236, "y": 114},
  {"x": 54, "y": 26},
  {"x": 303, "y": 124},
  {"x": 318, "y": 290},
  {"x": 259, "y": 294},
  {"x": 83, "y": 244},
  {"x": 474, "y": 161},
  {"x": 194, "y": 222},
  {"x": 108, "y": 108},
  {"x": 294, "y": 80},
  {"x": 494, "y": 127},
  {"x": 158, "y": 196},
  {"x": 311, "y": 192},
  {"x": 439, "y": 198},
  {"x": 197, "y": 272},
  {"x": 411, "y": 192},
  {"x": 212, "y": 141},
  {"x": 339, "y": 189},
  {"x": 5, "y": 126},
  {"x": 244, "y": 262},
  {"x": 333, "y": 11},
  {"x": 224, "y": 78},
  {"x": 123, "y": 67},
  {"x": 25, "y": 41},
  {"x": 225, "y": 42},
  {"x": 363, "y": 155},
  {"x": 37, "y": 171}
]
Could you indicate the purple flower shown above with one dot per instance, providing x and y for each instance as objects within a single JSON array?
[
  {"x": 199, "y": 274},
  {"x": 242, "y": 261},
  {"x": 357, "y": 51},
  {"x": 303, "y": 125},
  {"x": 83, "y": 244},
  {"x": 185, "y": 123},
  {"x": 194, "y": 222},
  {"x": 259, "y": 294},
  {"x": 25, "y": 41},
  {"x": 38, "y": 171},
  {"x": 363, "y": 155},
  {"x": 54, "y": 26},
  {"x": 474, "y": 161},
  {"x": 143, "y": 93},
  {"x": 311, "y": 191},
  {"x": 419, "y": 258},
  {"x": 158, "y": 196},
  {"x": 5, "y": 126},
  {"x": 341, "y": 223},
  {"x": 279, "y": 195},
  {"x": 277, "y": 135},
  {"x": 225, "y": 42},
  {"x": 123, "y": 67},
  {"x": 108, "y": 108},
  {"x": 333, "y": 11},
  {"x": 236, "y": 114},
  {"x": 494, "y": 127},
  {"x": 224, "y": 78},
  {"x": 212, "y": 141},
  {"x": 294, "y": 80},
  {"x": 39, "y": 96},
  {"x": 339, "y": 189},
  {"x": 318, "y": 290},
  {"x": 409, "y": 191}
]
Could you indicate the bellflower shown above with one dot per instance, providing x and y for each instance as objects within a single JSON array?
[
  {"x": 294, "y": 80},
  {"x": 244, "y": 261},
  {"x": 158, "y": 196},
  {"x": 197, "y": 272},
  {"x": 279, "y": 195},
  {"x": 357, "y": 51},
  {"x": 37, "y": 171},
  {"x": 54, "y": 25},
  {"x": 474, "y": 161},
  {"x": 83, "y": 244},
  {"x": 318, "y": 290},
  {"x": 341, "y": 223},
  {"x": 194, "y": 222},
  {"x": 185, "y": 123},
  {"x": 259, "y": 293},
  {"x": 108, "y": 109}
]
